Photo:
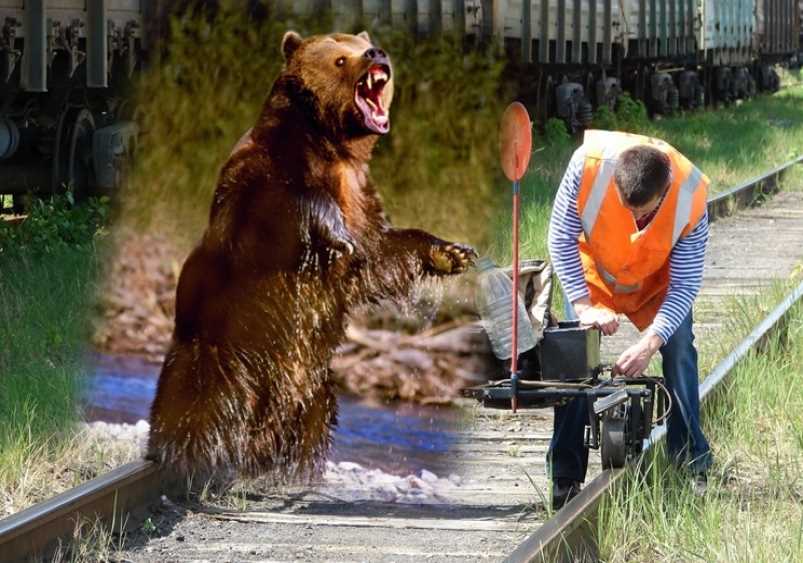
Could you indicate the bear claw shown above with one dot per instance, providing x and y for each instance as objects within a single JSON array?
[
  {"x": 343, "y": 246},
  {"x": 453, "y": 258}
]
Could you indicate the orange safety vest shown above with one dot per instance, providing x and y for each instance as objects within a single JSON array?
[{"x": 627, "y": 270}]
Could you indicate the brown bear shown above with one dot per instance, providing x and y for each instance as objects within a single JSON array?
[{"x": 296, "y": 239}]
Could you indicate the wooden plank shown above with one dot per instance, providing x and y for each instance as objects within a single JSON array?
[
  {"x": 642, "y": 32},
  {"x": 460, "y": 16},
  {"x": 477, "y": 525},
  {"x": 499, "y": 11},
  {"x": 357, "y": 551}
]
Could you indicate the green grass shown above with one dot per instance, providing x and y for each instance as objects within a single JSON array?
[
  {"x": 753, "y": 510},
  {"x": 44, "y": 306},
  {"x": 738, "y": 142},
  {"x": 791, "y": 77},
  {"x": 48, "y": 269}
]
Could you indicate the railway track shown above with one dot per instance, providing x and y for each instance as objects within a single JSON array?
[
  {"x": 499, "y": 457},
  {"x": 568, "y": 536}
]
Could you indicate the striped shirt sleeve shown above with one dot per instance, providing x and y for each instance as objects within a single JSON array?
[
  {"x": 686, "y": 260},
  {"x": 564, "y": 230},
  {"x": 686, "y": 263}
]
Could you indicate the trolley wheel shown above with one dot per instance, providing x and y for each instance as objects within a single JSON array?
[{"x": 612, "y": 442}]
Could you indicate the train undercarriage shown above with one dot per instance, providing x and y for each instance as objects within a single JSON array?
[{"x": 575, "y": 94}]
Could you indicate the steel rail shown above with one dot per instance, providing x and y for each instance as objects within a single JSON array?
[
  {"x": 120, "y": 497},
  {"x": 123, "y": 496},
  {"x": 745, "y": 194},
  {"x": 569, "y": 534}
]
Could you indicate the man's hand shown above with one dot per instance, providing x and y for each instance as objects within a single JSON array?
[
  {"x": 604, "y": 319},
  {"x": 635, "y": 359}
]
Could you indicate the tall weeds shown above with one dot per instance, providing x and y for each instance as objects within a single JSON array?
[{"x": 752, "y": 511}]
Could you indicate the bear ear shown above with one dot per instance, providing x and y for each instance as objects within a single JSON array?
[
  {"x": 364, "y": 35},
  {"x": 290, "y": 43}
]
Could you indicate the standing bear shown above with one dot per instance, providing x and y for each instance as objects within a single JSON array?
[{"x": 296, "y": 239}]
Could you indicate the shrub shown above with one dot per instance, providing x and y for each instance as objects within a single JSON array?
[
  {"x": 555, "y": 132},
  {"x": 631, "y": 115},
  {"x": 55, "y": 223},
  {"x": 605, "y": 119}
]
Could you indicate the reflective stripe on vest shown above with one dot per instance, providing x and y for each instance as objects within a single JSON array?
[
  {"x": 617, "y": 287},
  {"x": 598, "y": 191},
  {"x": 685, "y": 197}
]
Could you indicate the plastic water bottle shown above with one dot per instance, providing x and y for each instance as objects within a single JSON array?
[{"x": 493, "y": 301}]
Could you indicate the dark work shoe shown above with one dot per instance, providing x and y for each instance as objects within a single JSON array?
[{"x": 563, "y": 490}]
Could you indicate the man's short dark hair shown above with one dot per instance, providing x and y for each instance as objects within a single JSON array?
[{"x": 641, "y": 174}]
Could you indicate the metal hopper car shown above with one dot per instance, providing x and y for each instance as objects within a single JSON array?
[
  {"x": 63, "y": 66},
  {"x": 65, "y": 63},
  {"x": 576, "y": 55}
]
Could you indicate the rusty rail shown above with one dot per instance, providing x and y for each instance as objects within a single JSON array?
[{"x": 120, "y": 497}]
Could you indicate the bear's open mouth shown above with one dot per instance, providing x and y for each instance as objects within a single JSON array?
[{"x": 368, "y": 97}]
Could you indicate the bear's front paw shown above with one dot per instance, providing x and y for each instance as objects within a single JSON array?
[{"x": 451, "y": 258}]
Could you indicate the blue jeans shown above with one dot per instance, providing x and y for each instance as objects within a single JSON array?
[{"x": 686, "y": 443}]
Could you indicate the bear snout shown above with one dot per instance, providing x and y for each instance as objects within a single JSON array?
[{"x": 375, "y": 55}]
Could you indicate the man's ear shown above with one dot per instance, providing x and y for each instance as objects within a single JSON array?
[
  {"x": 290, "y": 43},
  {"x": 364, "y": 35}
]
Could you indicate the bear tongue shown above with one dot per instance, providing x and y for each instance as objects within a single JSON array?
[
  {"x": 376, "y": 104},
  {"x": 369, "y": 102},
  {"x": 376, "y": 121}
]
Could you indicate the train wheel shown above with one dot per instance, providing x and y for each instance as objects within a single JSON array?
[
  {"x": 612, "y": 444},
  {"x": 72, "y": 155}
]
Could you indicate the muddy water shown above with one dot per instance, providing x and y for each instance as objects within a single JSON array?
[{"x": 397, "y": 438}]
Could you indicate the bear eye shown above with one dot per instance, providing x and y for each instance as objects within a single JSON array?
[{"x": 340, "y": 61}]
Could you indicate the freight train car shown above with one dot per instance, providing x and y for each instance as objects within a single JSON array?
[
  {"x": 578, "y": 54},
  {"x": 63, "y": 67},
  {"x": 65, "y": 63}
]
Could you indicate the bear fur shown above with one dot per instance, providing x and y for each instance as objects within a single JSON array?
[{"x": 296, "y": 239}]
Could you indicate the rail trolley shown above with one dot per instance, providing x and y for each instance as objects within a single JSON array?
[{"x": 565, "y": 364}]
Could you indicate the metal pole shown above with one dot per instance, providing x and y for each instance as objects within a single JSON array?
[{"x": 514, "y": 375}]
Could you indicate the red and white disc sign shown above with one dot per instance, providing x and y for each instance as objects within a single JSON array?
[{"x": 515, "y": 141}]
